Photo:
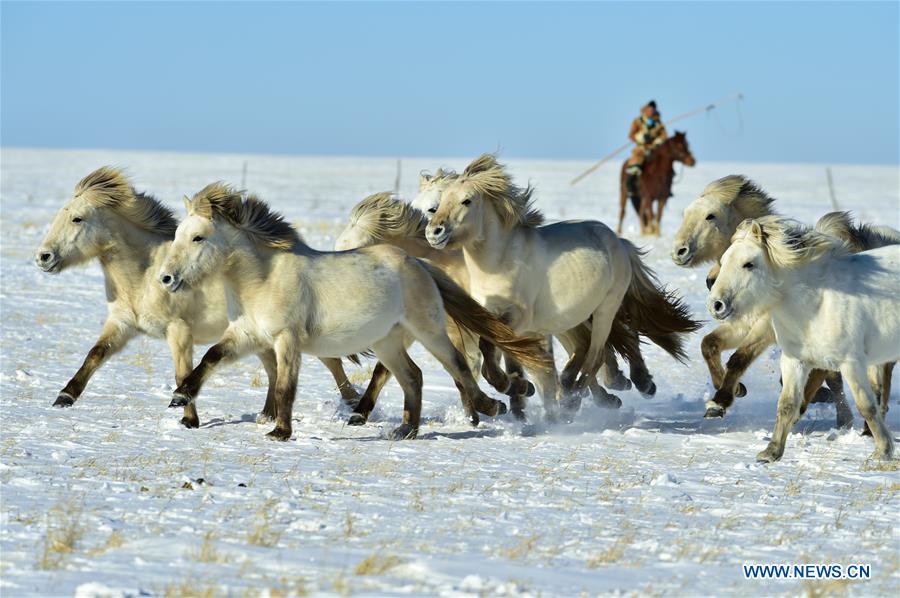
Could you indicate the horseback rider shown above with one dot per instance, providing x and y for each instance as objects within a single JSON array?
[{"x": 647, "y": 131}]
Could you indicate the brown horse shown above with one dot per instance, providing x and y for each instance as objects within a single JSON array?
[{"x": 655, "y": 182}]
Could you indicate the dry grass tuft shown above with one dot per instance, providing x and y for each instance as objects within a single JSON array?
[
  {"x": 377, "y": 564},
  {"x": 64, "y": 532}
]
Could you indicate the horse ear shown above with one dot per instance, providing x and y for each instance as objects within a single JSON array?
[
  {"x": 187, "y": 204},
  {"x": 756, "y": 231},
  {"x": 424, "y": 179}
]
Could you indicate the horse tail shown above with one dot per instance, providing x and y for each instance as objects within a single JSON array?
[
  {"x": 468, "y": 313},
  {"x": 653, "y": 311},
  {"x": 860, "y": 238}
]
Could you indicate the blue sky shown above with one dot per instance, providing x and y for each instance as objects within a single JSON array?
[{"x": 537, "y": 80}]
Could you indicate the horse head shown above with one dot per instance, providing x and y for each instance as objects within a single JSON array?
[{"x": 680, "y": 149}]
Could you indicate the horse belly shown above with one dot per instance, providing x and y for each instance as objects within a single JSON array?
[
  {"x": 575, "y": 286},
  {"x": 352, "y": 337}
]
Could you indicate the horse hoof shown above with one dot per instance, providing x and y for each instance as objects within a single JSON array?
[
  {"x": 501, "y": 408},
  {"x": 608, "y": 402},
  {"x": 264, "y": 418},
  {"x": 769, "y": 455},
  {"x": 64, "y": 400},
  {"x": 179, "y": 400},
  {"x": 529, "y": 390},
  {"x": 571, "y": 403},
  {"x": 474, "y": 420},
  {"x": 350, "y": 397},
  {"x": 189, "y": 422},
  {"x": 741, "y": 390},
  {"x": 519, "y": 415},
  {"x": 279, "y": 434},
  {"x": 647, "y": 389},
  {"x": 713, "y": 411},
  {"x": 884, "y": 455},
  {"x": 845, "y": 422},
  {"x": 357, "y": 419},
  {"x": 865, "y": 431},
  {"x": 404, "y": 432},
  {"x": 619, "y": 383}
]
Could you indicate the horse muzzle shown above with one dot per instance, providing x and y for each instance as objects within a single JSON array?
[
  {"x": 171, "y": 282},
  {"x": 720, "y": 308},
  {"x": 48, "y": 261},
  {"x": 682, "y": 255},
  {"x": 437, "y": 236}
]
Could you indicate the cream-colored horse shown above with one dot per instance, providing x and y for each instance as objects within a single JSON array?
[
  {"x": 129, "y": 232},
  {"x": 830, "y": 309},
  {"x": 293, "y": 299},
  {"x": 381, "y": 218},
  {"x": 705, "y": 233},
  {"x": 550, "y": 279}
]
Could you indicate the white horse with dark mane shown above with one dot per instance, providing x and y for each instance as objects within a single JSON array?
[
  {"x": 128, "y": 232},
  {"x": 549, "y": 280},
  {"x": 830, "y": 309},
  {"x": 292, "y": 299}
]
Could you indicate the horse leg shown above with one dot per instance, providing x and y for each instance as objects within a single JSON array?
[
  {"x": 112, "y": 338},
  {"x": 724, "y": 337},
  {"x": 336, "y": 367},
  {"x": 855, "y": 375},
  {"x": 287, "y": 358},
  {"x": 601, "y": 324},
  {"x": 233, "y": 344},
  {"x": 880, "y": 380},
  {"x": 181, "y": 344},
  {"x": 391, "y": 352},
  {"x": 813, "y": 384},
  {"x": 794, "y": 374},
  {"x": 757, "y": 340},
  {"x": 270, "y": 409},
  {"x": 520, "y": 387},
  {"x": 360, "y": 415},
  {"x": 660, "y": 206},
  {"x": 843, "y": 415},
  {"x": 490, "y": 366}
]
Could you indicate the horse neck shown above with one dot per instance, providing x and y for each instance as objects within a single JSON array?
[
  {"x": 487, "y": 252},
  {"x": 127, "y": 259},
  {"x": 798, "y": 299},
  {"x": 248, "y": 265},
  {"x": 663, "y": 155}
]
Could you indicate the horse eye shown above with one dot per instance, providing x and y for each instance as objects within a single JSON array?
[
  {"x": 711, "y": 217},
  {"x": 76, "y": 220},
  {"x": 466, "y": 202},
  {"x": 432, "y": 210},
  {"x": 198, "y": 239},
  {"x": 748, "y": 266}
]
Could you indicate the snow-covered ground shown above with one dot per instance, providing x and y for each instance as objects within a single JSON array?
[{"x": 113, "y": 497}]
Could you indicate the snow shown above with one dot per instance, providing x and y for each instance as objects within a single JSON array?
[{"x": 113, "y": 498}]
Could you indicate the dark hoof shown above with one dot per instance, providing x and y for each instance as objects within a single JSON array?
[
  {"x": 650, "y": 391},
  {"x": 64, "y": 400},
  {"x": 501, "y": 408},
  {"x": 188, "y": 422},
  {"x": 357, "y": 419},
  {"x": 608, "y": 402},
  {"x": 713, "y": 411},
  {"x": 279, "y": 434},
  {"x": 350, "y": 397},
  {"x": 529, "y": 391},
  {"x": 823, "y": 395},
  {"x": 767, "y": 456},
  {"x": 741, "y": 390},
  {"x": 865, "y": 431},
  {"x": 519, "y": 415},
  {"x": 474, "y": 420},
  {"x": 404, "y": 432},
  {"x": 571, "y": 403},
  {"x": 179, "y": 400},
  {"x": 619, "y": 383}
]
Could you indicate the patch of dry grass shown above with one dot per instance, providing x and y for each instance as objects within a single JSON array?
[{"x": 64, "y": 531}]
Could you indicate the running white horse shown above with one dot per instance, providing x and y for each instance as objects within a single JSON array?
[
  {"x": 293, "y": 299},
  {"x": 548, "y": 280},
  {"x": 128, "y": 232},
  {"x": 830, "y": 309},
  {"x": 705, "y": 233}
]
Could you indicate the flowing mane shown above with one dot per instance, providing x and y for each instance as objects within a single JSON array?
[
  {"x": 788, "y": 243},
  {"x": 439, "y": 175},
  {"x": 512, "y": 203},
  {"x": 860, "y": 238},
  {"x": 742, "y": 194},
  {"x": 108, "y": 187},
  {"x": 384, "y": 217},
  {"x": 247, "y": 213}
]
